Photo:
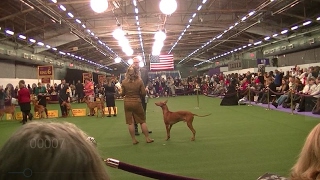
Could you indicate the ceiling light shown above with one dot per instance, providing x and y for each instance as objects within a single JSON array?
[
  {"x": 118, "y": 34},
  {"x": 40, "y": 43},
  {"x": 136, "y": 10},
  {"x": 54, "y": 1},
  {"x": 56, "y": 49},
  {"x": 284, "y": 31},
  {"x": 47, "y": 46},
  {"x": 22, "y": 36},
  {"x": 130, "y": 61},
  {"x": 117, "y": 60},
  {"x": 10, "y": 32},
  {"x": 199, "y": 8},
  {"x": 244, "y": 18},
  {"x": 70, "y": 14},
  {"x": 134, "y": 2},
  {"x": 267, "y": 38},
  {"x": 160, "y": 36},
  {"x": 194, "y": 15},
  {"x": 249, "y": 45},
  {"x": 78, "y": 21},
  {"x": 129, "y": 52},
  {"x": 251, "y": 13},
  {"x": 99, "y": 6},
  {"x": 318, "y": 19},
  {"x": 62, "y": 8},
  {"x": 294, "y": 28},
  {"x": 32, "y": 40},
  {"x": 168, "y": 6},
  {"x": 306, "y": 23},
  {"x": 275, "y": 35},
  {"x": 259, "y": 42},
  {"x": 63, "y": 53},
  {"x": 84, "y": 26},
  {"x": 204, "y": 1}
]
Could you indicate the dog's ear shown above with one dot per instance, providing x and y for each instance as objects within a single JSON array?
[{"x": 165, "y": 102}]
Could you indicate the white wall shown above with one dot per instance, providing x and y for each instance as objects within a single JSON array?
[
  {"x": 284, "y": 69},
  {"x": 14, "y": 82}
]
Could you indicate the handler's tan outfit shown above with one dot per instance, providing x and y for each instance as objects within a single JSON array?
[{"x": 132, "y": 92}]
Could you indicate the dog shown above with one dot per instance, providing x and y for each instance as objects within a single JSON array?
[
  {"x": 171, "y": 118},
  {"x": 68, "y": 105},
  {"x": 8, "y": 110},
  {"x": 100, "y": 105},
  {"x": 38, "y": 108}
]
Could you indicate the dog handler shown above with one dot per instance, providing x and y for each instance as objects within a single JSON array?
[{"x": 132, "y": 91}]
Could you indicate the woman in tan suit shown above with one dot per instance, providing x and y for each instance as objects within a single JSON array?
[{"x": 132, "y": 91}]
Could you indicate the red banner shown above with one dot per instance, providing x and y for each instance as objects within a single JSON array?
[
  {"x": 101, "y": 78},
  {"x": 45, "y": 80},
  {"x": 45, "y": 71}
]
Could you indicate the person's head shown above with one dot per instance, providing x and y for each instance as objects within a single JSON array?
[
  {"x": 283, "y": 81},
  {"x": 22, "y": 84},
  {"x": 291, "y": 79},
  {"x": 63, "y": 81},
  {"x": 136, "y": 62},
  {"x": 86, "y": 80},
  {"x": 51, "y": 149},
  {"x": 39, "y": 84},
  {"x": 311, "y": 81},
  {"x": 308, "y": 163},
  {"x": 132, "y": 73},
  {"x": 318, "y": 80}
]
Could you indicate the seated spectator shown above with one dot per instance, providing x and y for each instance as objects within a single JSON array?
[
  {"x": 307, "y": 100},
  {"x": 230, "y": 98},
  {"x": 48, "y": 151}
]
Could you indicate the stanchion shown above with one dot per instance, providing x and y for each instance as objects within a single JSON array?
[
  {"x": 268, "y": 98},
  {"x": 291, "y": 102},
  {"x": 249, "y": 96},
  {"x": 197, "y": 89}
]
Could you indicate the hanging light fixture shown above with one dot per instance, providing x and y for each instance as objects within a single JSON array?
[
  {"x": 118, "y": 34},
  {"x": 141, "y": 64},
  {"x": 99, "y": 6},
  {"x": 168, "y": 6},
  {"x": 117, "y": 60}
]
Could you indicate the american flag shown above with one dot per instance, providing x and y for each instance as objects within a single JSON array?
[{"x": 161, "y": 62}]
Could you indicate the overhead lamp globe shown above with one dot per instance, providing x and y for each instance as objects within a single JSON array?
[
  {"x": 160, "y": 36},
  {"x": 168, "y": 6},
  {"x": 157, "y": 45},
  {"x": 129, "y": 52},
  {"x": 99, "y": 6},
  {"x": 139, "y": 57},
  {"x": 130, "y": 61},
  {"x": 124, "y": 43},
  {"x": 117, "y": 60},
  {"x": 118, "y": 34},
  {"x": 141, "y": 64}
]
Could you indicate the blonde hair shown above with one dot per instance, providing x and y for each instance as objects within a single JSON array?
[
  {"x": 132, "y": 73},
  {"x": 307, "y": 166},
  {"x": 51, "y": 151}
]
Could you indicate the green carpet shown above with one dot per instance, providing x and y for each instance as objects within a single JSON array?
[{"x": 238, "y": 142}]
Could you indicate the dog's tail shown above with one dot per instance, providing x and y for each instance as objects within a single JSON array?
[{"x": 202, "y": 115}]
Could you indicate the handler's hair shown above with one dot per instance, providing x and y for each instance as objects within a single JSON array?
[
  {"x": 308, "y": 164},
  {"x": 50, "y": 151}
]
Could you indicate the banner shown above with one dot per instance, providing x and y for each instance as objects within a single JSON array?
[
  {"x": 45, "y": 80},
  {"x": 19, "y": 116},
  {"x": 45, "y": 71},
  {"x": 234, "y": 65},
  {"x": 101, "y": 79},
  {"x": 87, "y": 75},
  {"x": 79, "y": 112}
]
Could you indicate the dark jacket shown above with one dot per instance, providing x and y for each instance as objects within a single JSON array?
[{"x": 63, "y": 92}]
